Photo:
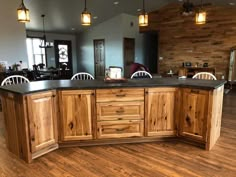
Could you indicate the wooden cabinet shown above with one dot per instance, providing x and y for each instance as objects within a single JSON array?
[
  {"x": 120, "y": 113},
  {"x": 42, "y": 121},
  {"x": 77, "y": 114},
  {"x": 193, "y": 120},
  {"x": 160, "y": 111}
]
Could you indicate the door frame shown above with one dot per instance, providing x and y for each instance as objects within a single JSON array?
[
  {"x": 94, "y": 62},
  {"x": 124, "y": 53}
]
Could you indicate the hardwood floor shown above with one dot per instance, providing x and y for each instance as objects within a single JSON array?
[{"x": 146, "y": 159}]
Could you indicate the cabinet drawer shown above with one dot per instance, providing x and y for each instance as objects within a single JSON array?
[
  {"x": 110, "y": 95},
  {"x": 119, "y": 129},
  {"x": 120, "y": 110}
]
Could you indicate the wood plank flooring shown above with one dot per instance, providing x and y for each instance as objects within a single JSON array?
[{"x": 159, "y": 159}]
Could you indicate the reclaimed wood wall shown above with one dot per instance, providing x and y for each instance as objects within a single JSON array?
[{"x": 181, "y": 40}]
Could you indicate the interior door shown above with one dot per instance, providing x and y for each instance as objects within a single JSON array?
[
  {"x": 99, "y": 57},
  {"x": 129, "y": 53},
  {"x": 63, "y": 56}
]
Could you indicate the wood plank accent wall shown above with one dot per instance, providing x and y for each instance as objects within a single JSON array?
[{"x": 181, "y": 40}]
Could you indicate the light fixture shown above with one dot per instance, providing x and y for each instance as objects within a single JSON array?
[
  {"x": 143, "y": 17},
  {"x": 44, "y": 43},
  {"x": 85, "y": 16},
  {"x": 200, "y": 16},
  {"x": 23, "y": 13}
]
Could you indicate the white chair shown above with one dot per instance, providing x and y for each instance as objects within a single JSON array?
[
  {"x": 141, "y": 74},
  {"x": 14, "y": 79},
  {"x": 82, "y": 76},
  {"x": 204, "y": 75}
]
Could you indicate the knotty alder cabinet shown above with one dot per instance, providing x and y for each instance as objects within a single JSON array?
[
  {"x": 120, "y": 113},
  {"x": 194, "y": 114},
  {"x": 31, "y": 123},
  {"x": 76, "y": 114},
  {"x": 160, "y": 111},
  {"x": 37, "y": 123}
]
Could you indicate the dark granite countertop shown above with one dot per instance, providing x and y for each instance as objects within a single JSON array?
[{"x": 39, "y": 86}]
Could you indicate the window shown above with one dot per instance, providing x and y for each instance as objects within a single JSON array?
[{"x": 36, "y": 55}]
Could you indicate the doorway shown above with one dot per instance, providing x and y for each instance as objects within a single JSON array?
[
  {"x": 129, "y": 53},
  {"x": 63, "y": 57},
  {"x": 99, "y": 58}
]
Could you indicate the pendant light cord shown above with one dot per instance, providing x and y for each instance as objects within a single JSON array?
[
  {"x": 143, "y": 6},
  {"x": 85, "y": 5}
]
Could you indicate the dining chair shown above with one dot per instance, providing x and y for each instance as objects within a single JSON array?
[
  {"x": 204, "y": 75},
  {"x": 141, "y": 74},
  {"x": 14, "y": 79},
  {"x": 82, "y": 76}
]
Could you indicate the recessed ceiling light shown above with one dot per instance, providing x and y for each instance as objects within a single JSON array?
[
  {"x": 180, "y": 0},
  {"x": 139, "y": 10},
  {"x": 73, "y": 29},
  {"x": 95, "y": 17},
  {"x": 116, "y": 2},
  {"x": 232, "y": 3}
]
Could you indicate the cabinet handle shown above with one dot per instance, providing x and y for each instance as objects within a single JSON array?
[
  {"x": 195, "y": 91},
  {"x": 120, "y": 129},
  {"x": 92, "y": 94},
  {"x": 120, "y": 95},
  {"x": 120, "y": 119},
  {"x": 120, "y": 111},
  {"x": 53, "y": 96},
  {"x": 32, "y": 138}
]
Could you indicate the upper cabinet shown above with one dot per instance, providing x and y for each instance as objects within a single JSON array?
[
  {"x": 160, "y": 111},
  {"x": 42, "y": 117},
  {"x": 193, "y": 120},
  {"x": 77, "y": 114}
]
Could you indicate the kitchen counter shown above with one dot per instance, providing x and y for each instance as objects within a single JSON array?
[{"x": 39, "y": 86}]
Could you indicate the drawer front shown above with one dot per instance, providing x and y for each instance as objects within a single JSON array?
[
  {"x": 120, "y": 110},
  {"x": 120, "y": 129},
  {"x": 111, "y": 95}
]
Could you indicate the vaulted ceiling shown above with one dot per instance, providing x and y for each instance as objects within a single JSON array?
[{"x": 63, "y": 16}]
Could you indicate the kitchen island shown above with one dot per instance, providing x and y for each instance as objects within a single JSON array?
[{"x": 45, "y": 115}]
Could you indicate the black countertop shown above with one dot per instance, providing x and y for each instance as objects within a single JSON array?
[{"x": 39, "y": 86}]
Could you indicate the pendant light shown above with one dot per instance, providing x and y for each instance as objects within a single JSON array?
[
  {"x": 200, "y": 16},
  {"x": 23, "y": 13},
  {"x": 143, "y": 17},
  {"x": 44, "y": 43},
  {"x": 85, "y": 16}
]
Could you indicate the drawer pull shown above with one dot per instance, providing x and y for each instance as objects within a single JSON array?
[
  {"x": 120, "y": 118},
  {"x": 120, "y": 111},
  {"x": 195, "y": 91},
  {"x": 120, "y": 95}
]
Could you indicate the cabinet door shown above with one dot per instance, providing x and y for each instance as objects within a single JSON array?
[
  {"x": 193, "y": 122},
  {"x": 160, "y": 111},
  {"x": 42, "y": 120},
  {"x": 77, "y": 110}
]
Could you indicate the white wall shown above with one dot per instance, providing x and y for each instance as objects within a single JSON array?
[
  {"x": 113, "y": 31},
  {"x": 12, "y": 34},
  {"x": 51, "y": 52}
]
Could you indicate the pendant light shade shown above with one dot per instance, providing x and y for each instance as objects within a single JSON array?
[
  {"x": 200, "y": 16},
  {"x": 44, "y": 43},
  {"x": 23, "y": 13},
  {"x": 85, "y": 17},
  {"x": 143, "y": 17}
]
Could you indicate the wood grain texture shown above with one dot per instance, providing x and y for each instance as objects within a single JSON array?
[
  {"x": 120, "y": 110},
  {"x": 144, "y": 160},
  {"x": 160, "y": 109},
  {"x": 77, "y": 111},
  {"x": 119, "y": 129},
  {"x": 181, "y": 40},
  {"x": 193, "y": 122},
  {"x": 42, "y": 117},
  {"x": 112, "y": 95}
]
